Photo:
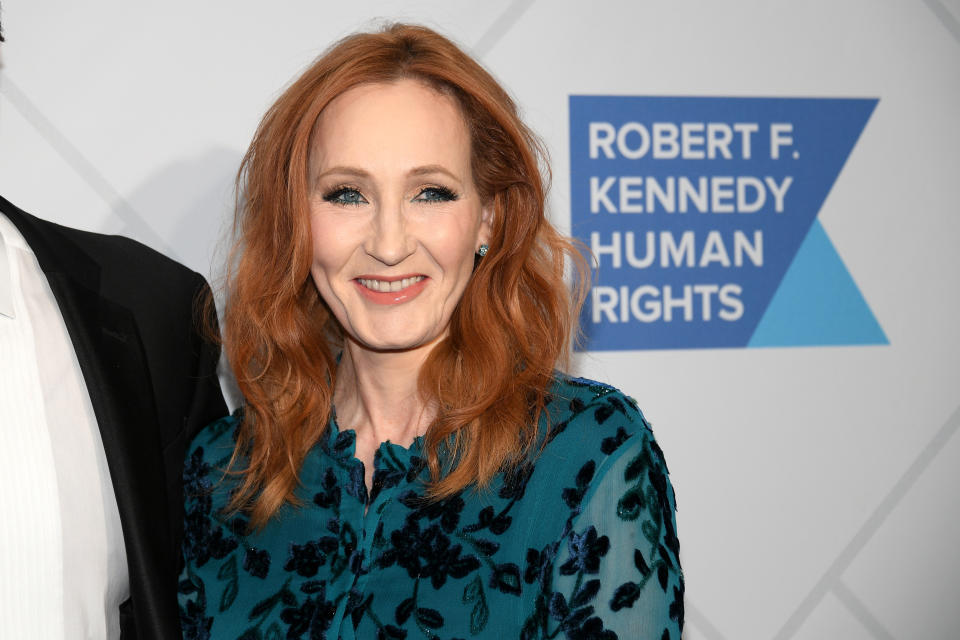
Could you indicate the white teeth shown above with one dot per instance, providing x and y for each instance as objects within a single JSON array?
[{"x": 385, "y": 286}]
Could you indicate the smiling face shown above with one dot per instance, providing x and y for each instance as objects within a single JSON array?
[{"x": 395, "y": 217}]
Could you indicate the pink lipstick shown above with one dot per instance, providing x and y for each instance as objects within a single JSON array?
[{"x": 390, "y": 289}]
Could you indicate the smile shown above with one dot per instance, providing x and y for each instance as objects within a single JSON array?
[
  {"x": 388, "y": 286},
  {"x": 390, "y": 291}
]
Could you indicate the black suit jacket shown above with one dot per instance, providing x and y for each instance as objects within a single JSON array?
[{"x": 152, "y": 382}]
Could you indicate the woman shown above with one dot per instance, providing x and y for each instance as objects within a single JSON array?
[{"x": 408, "y": 462}]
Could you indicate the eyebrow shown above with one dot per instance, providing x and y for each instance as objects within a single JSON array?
[
  {"x": 415, "y": 172},
  {"x": 345, "y": 171},
  {"x": 432, "y": 168}
]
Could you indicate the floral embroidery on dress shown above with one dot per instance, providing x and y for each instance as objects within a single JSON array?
[{"x": 580, "y": 542}]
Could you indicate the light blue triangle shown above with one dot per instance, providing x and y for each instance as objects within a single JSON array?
[{"x": 817, "y": 302}]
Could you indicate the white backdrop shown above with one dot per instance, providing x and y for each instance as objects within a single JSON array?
[{"x": 818, "y": 487}]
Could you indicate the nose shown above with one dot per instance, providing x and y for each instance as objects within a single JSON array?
[{"x": 390, "y": 240}]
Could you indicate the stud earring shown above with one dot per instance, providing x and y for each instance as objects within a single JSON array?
[{"x": 483, "y": 249}]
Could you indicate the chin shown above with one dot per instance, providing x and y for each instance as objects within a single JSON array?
[{"x": 394, "y": 343}]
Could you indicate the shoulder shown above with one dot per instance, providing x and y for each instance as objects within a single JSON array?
[
  {"x": 208, "y": 457},
  {"x": 593, "y": 415},
  {"x": 125, "y": 262},
  {"x": 117, "y": 256},
  {"x": 167, "y": 299},
  {"x": 599, "y": 441},
  {"x": 214, "y": 444}
]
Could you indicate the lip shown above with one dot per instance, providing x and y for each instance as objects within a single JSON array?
[{"x": 391, "y": 297}]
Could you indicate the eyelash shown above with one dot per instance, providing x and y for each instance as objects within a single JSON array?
[
  {"x": 335, "y": 196},
  {"x": 439, "y": 194},
  {"x": 442, "y": 194}
]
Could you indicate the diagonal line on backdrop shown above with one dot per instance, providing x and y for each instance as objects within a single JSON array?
[
  {"x": 81, "y": 165},
  {"x": 704, "y": 626},
  {"x": 500, "y": 26},
  {"x": 860, "y": 611},
  {"x": 946, "y": 18},
  {"x": 832, "y": 575}
]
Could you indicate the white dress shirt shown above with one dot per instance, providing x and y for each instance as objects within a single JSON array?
[{"x": 63, "y": 568}]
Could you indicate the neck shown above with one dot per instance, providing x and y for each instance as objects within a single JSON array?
[{"x": 376, "y": 394}]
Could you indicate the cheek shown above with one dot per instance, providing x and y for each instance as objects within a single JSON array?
[
  {"x": 331, "y": 245},
  {"x": 453, "y": 240},
  {"x": 454, "y": 255},
  {"x": 328, "y": 259},
  {"x": 322, "y": 283}
]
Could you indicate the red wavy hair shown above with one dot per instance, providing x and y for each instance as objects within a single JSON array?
[{"x": 490, "y": 377}]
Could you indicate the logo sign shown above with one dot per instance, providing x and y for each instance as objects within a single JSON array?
[{"x": 701, "y": 216}]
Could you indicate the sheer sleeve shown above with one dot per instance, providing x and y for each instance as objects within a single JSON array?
[{"x": 617, "y": 572}]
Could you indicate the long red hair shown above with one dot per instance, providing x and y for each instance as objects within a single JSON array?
[{"x": 490, "y": 377}]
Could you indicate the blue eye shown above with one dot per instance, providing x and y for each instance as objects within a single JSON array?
[
  {"x": 345, "y": 196},
  {"x": 435, "y": 194}
]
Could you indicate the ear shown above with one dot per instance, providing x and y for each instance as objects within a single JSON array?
[{"x": 486, "y": 226}]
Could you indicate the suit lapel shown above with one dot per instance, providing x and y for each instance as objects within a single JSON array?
[{"x": 110, "y": 352}]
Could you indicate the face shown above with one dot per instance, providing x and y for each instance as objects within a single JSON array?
[{"x": 395, "y": 216}]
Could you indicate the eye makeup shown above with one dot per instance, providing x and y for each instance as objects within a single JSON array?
[
  {"x": 344, "y": 195},
  {"x": 347, "y": 195},
  {"x": 436, "y": 194}
]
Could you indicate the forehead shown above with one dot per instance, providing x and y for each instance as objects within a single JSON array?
[{"x": 399, "y": 123}]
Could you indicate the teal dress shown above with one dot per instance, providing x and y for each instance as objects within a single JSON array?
[{"x": 578, "y": 543}]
